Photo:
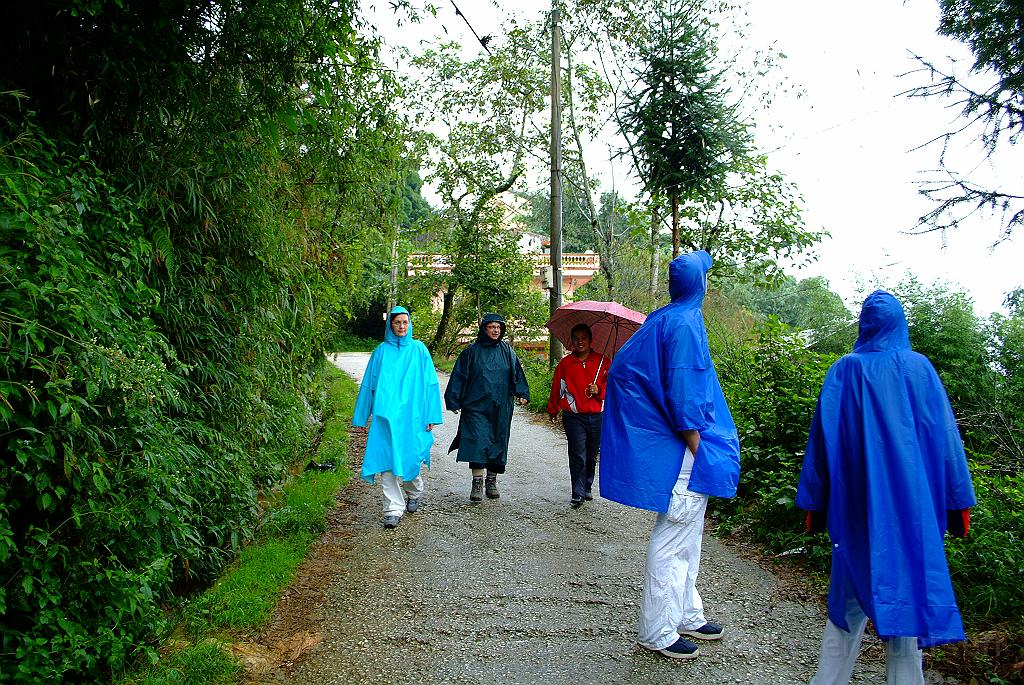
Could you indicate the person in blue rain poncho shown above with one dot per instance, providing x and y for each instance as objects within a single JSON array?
[
  {"x": 400, "y": 391},
  {"x": 886, "y": 469},
  {"x": 668, "y": 442}
]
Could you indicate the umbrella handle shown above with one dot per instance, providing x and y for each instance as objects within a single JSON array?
[{"x": 599, "y": 366}]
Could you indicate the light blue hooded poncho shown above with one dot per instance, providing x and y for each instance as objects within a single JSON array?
[
  {"x": 661, "y": 383},
  {"x": 400, "y": 390}
]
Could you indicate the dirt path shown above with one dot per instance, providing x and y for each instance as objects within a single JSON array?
[{"x": 522, "y": 589}]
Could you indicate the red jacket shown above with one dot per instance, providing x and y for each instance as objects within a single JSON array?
[{"x": 576, "y": 376}]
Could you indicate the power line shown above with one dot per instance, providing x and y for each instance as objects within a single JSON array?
[{"x": 483, "y": 41}]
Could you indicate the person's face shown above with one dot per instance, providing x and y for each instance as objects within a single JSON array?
[
  {"x": 581, "y": 343},
  {"x": 400, "y": 325},
  {"x": 493, "y": 330}
]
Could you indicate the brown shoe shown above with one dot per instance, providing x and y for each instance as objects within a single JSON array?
[
  {"x": 477, "y": 493},
  {"x": 492, "y": 487}
]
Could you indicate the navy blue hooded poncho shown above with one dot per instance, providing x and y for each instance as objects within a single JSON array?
[
  {"x": 487, "y": 376},
  {"x": 661, "y": 383},
  {"x": 885, "y": 461}
]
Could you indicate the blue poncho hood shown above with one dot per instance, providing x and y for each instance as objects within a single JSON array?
[
  {"x": 400, "y": 390},
  {"x": 389, "y": 335},
  {"x": 883, "y": 325},
  {"x": 661, "y": 383},
  {"x": 885, "y": 461}
]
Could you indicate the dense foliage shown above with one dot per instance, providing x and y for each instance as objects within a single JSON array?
[
  {"x": 189, "y": 189},
  {"x": 771, "y": 381}
]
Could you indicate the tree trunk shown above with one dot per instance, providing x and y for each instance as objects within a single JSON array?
[
  {"x": 446, "y": 315},
  {"x": 675, "y": 225},
  {"x": 608, "y": 268},
  {"x": 607, "y": 265},
  {"x": 655, "y": 260}
]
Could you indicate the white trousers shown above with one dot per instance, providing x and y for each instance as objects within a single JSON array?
[
  {"x": 839, "y": 650},
  {"x": 670, "y": 600},
  {"x": 396, "y": 490}
]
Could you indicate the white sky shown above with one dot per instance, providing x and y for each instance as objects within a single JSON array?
[{"x": 847, "y": 142}]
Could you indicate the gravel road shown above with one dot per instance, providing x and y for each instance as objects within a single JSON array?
[{"x": 524, "y": 589}]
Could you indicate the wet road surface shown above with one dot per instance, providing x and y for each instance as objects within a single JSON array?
[{"x": 524, "y": 589}]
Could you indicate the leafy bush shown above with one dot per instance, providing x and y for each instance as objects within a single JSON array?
[
  {"x": 99, "y": 488},
  {"x": 243, "y": 599},
  {"x": 539, "y": 376},
  {"x": 771, "y": 384},
  {"x": 178, "y": 238},
  {"x": 988, "y": 567}
]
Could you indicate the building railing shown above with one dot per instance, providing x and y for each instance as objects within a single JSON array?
[{"x": 419, "y": 262}]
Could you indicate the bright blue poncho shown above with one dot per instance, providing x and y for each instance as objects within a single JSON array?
[
  {"x": 885, "y": 461},
  {"x": 661, "y": 383},
  {"x": 400, "y": 390}
]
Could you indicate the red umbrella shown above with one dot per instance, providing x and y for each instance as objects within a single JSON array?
[{"x": 610, "y": 323}]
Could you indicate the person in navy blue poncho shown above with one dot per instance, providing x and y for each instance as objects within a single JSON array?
[
  {"x": 885, "y": 467},
  {"x": 668, "y": 442},
  {"x": 486, "y": 377}
]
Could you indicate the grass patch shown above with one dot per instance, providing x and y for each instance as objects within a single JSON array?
[
  {"x": 245, "y": 597},
  {"x": 199, "y": 664},
  {"x": 340, "y": 405},
  {"x": 445, "y": 364},
  {"x": 243, "y": 600}
]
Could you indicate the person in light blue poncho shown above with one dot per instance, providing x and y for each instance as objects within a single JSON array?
[
  {"x": 400, "y": 391},
  {"x": 885, "y": 467},
  {"x": 668, "y": 442}
]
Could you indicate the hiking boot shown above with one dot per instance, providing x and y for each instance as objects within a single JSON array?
[
  {"x": 589, "y": 496},
  {"x": 412, "y": 504},
  {"x": 492, "y": 487},
  {"x": 391, "y": 521},
  {"x": 576, "y": 502},
  {"x": 708, "y": 631},
  {"x": 477, "y": 493},
  {"x": 680, "y": 649}
]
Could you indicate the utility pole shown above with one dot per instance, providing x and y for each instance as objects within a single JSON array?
[{"x": 555, "y": 349}]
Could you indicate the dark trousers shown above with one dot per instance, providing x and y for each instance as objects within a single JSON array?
[{"x": 583, "y": 431}]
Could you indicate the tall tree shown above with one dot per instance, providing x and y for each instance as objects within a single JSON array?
[
  {"x": 479, "y": 122},
  {"x": 685, "y": 133},
  {"x": 749, "y": 222}
]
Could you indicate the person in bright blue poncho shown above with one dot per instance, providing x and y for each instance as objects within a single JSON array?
[
  {"x": 885, "y": 467},
  {"x": 668, "y": 442},
  {"x": 400, "y": 391}
]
